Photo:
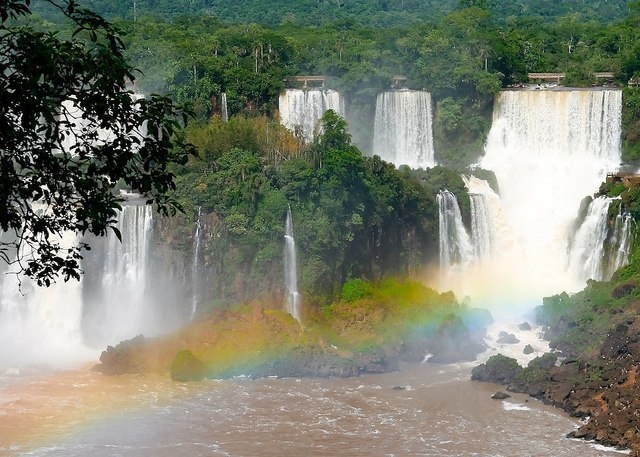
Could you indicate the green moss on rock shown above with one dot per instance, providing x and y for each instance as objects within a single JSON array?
[{"x": 187, "y": 367}]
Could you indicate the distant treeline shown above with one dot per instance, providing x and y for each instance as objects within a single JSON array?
[{"x": 370, "y": 13}]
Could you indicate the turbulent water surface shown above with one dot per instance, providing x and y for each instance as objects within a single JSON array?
[{"x": 423, "y": 410}]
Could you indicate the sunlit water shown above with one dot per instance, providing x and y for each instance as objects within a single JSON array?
[{"x": 422, "y": 410}]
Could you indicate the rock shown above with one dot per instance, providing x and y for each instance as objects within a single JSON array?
[
  {"x": 616, "y": 343},
  {"x": 525, "y": 326},
  {"x": 507, "y": 338},
  {"x": 499, "y": 395},
  {"x": 498, "y": 369},
  {"x": 399, "y": 388},
  {"x": 122, "y": 359},
  {"x": 187, "y": 367},
  {"x": 545, "y": 361},
  {"x": 528, "y": 349},
  {"x": 454, "y": 342}
]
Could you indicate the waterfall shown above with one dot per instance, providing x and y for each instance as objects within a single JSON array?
[
  {"x": 118, "y": 304},
  {"x": 195, "y": 269},
  {"x": 620, "y": 242},
  {"x": 300, "y": 109},
  {"x": 291, "y": 270},
  {"x": 548, "y": 149},
  {"x": 455, "y": 244},
  {"x": 586, "y": 256},
  {"x": 41, "y": 325},
  {"x": 481, "y": 233},
  {"x": 402, "y": 131},
  {"x": 224, "y": 111}
]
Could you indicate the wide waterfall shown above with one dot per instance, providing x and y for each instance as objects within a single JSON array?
[
  {"x": 455, "y": 244},
  {"x": 291, "y": 270},
  {"x": 548, "y": 149},
  {"x": 39, "y": 325},
  {"x": 300, "y": 110},
  {"x": 402, "y": 131},
  {"x": 117, "y": 301}
]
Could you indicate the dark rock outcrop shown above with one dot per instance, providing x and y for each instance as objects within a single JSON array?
[
  {"x": 507, "y": 338},
  {"x": 499, "y": 369},
  {"x": 122, "y": 359},
  {"x": 499, "y": 395}
]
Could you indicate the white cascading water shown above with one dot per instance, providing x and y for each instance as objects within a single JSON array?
[
  {"x": 121, "y": 306},
  {"x": 455, "y": 243},
  {"x": 402, "y": 131},
  {"x": 621, "y": 242},
  {"x": 195, "y": 269},
  {"x": 224, "y": 110},
  {"x": 301, "y": 109},
  {"x": 291, "y": 270},
  {"x": 41, "y": 326},
  {"x": 548, "y": 150},
  {"x": 481, "y": 226},
  {"x": 586, "y": 256}
]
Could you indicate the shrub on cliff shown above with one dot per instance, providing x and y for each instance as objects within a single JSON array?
[{"x": 355, "y": 289}]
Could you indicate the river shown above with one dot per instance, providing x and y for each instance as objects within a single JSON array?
[{"x": 422, "y": 410}]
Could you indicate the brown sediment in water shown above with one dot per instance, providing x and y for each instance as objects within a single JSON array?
[{"x": 35, "y": 410}]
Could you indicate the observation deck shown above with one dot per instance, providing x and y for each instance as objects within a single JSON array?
[
  {"x": 627, "y": 179},
  {"x": 306, "y": 81}
]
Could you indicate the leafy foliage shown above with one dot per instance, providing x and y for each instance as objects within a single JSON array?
[
  {"x": 354, "y": 216},
  {"x": 70, "y": 132}
]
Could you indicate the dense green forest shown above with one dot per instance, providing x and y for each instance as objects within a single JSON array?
[
  {"x": 370, "y": 13},
  {"x": 463, "y": 57},
  {"x": 355, "y": 216}
]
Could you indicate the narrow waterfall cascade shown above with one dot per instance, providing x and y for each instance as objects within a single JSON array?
[
  {"x": 291, "y": 270},
  {"x": 402, "y": 131},
  {"x": 117, "y": 301},
  {"x": 620, "y": 242},
  {"x": 195, "y": 269},
  {"x": 41, "y": 326},
  {"x": 586, "y": 255},
  {"x": 224, "y": 110},
  {"x": 455, "y": 243},
  {"x": 300, "y": 110},
  {"x": 481, "y": 226},
  {"x": 548, "y": 149}
]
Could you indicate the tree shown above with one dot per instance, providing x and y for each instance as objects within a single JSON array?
[{"x": 71, "y": 132}]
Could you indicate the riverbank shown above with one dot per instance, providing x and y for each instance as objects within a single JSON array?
[{"x": 593, "y": 372}]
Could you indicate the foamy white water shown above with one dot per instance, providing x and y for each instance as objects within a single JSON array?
[
  {"x": 291, "y": 270},
  {"x": 548, "y": 150},
  {"x": 41, "y": 326},
  {"x": 302, "y": 109},
  {"x": 402, "y": 131}
]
